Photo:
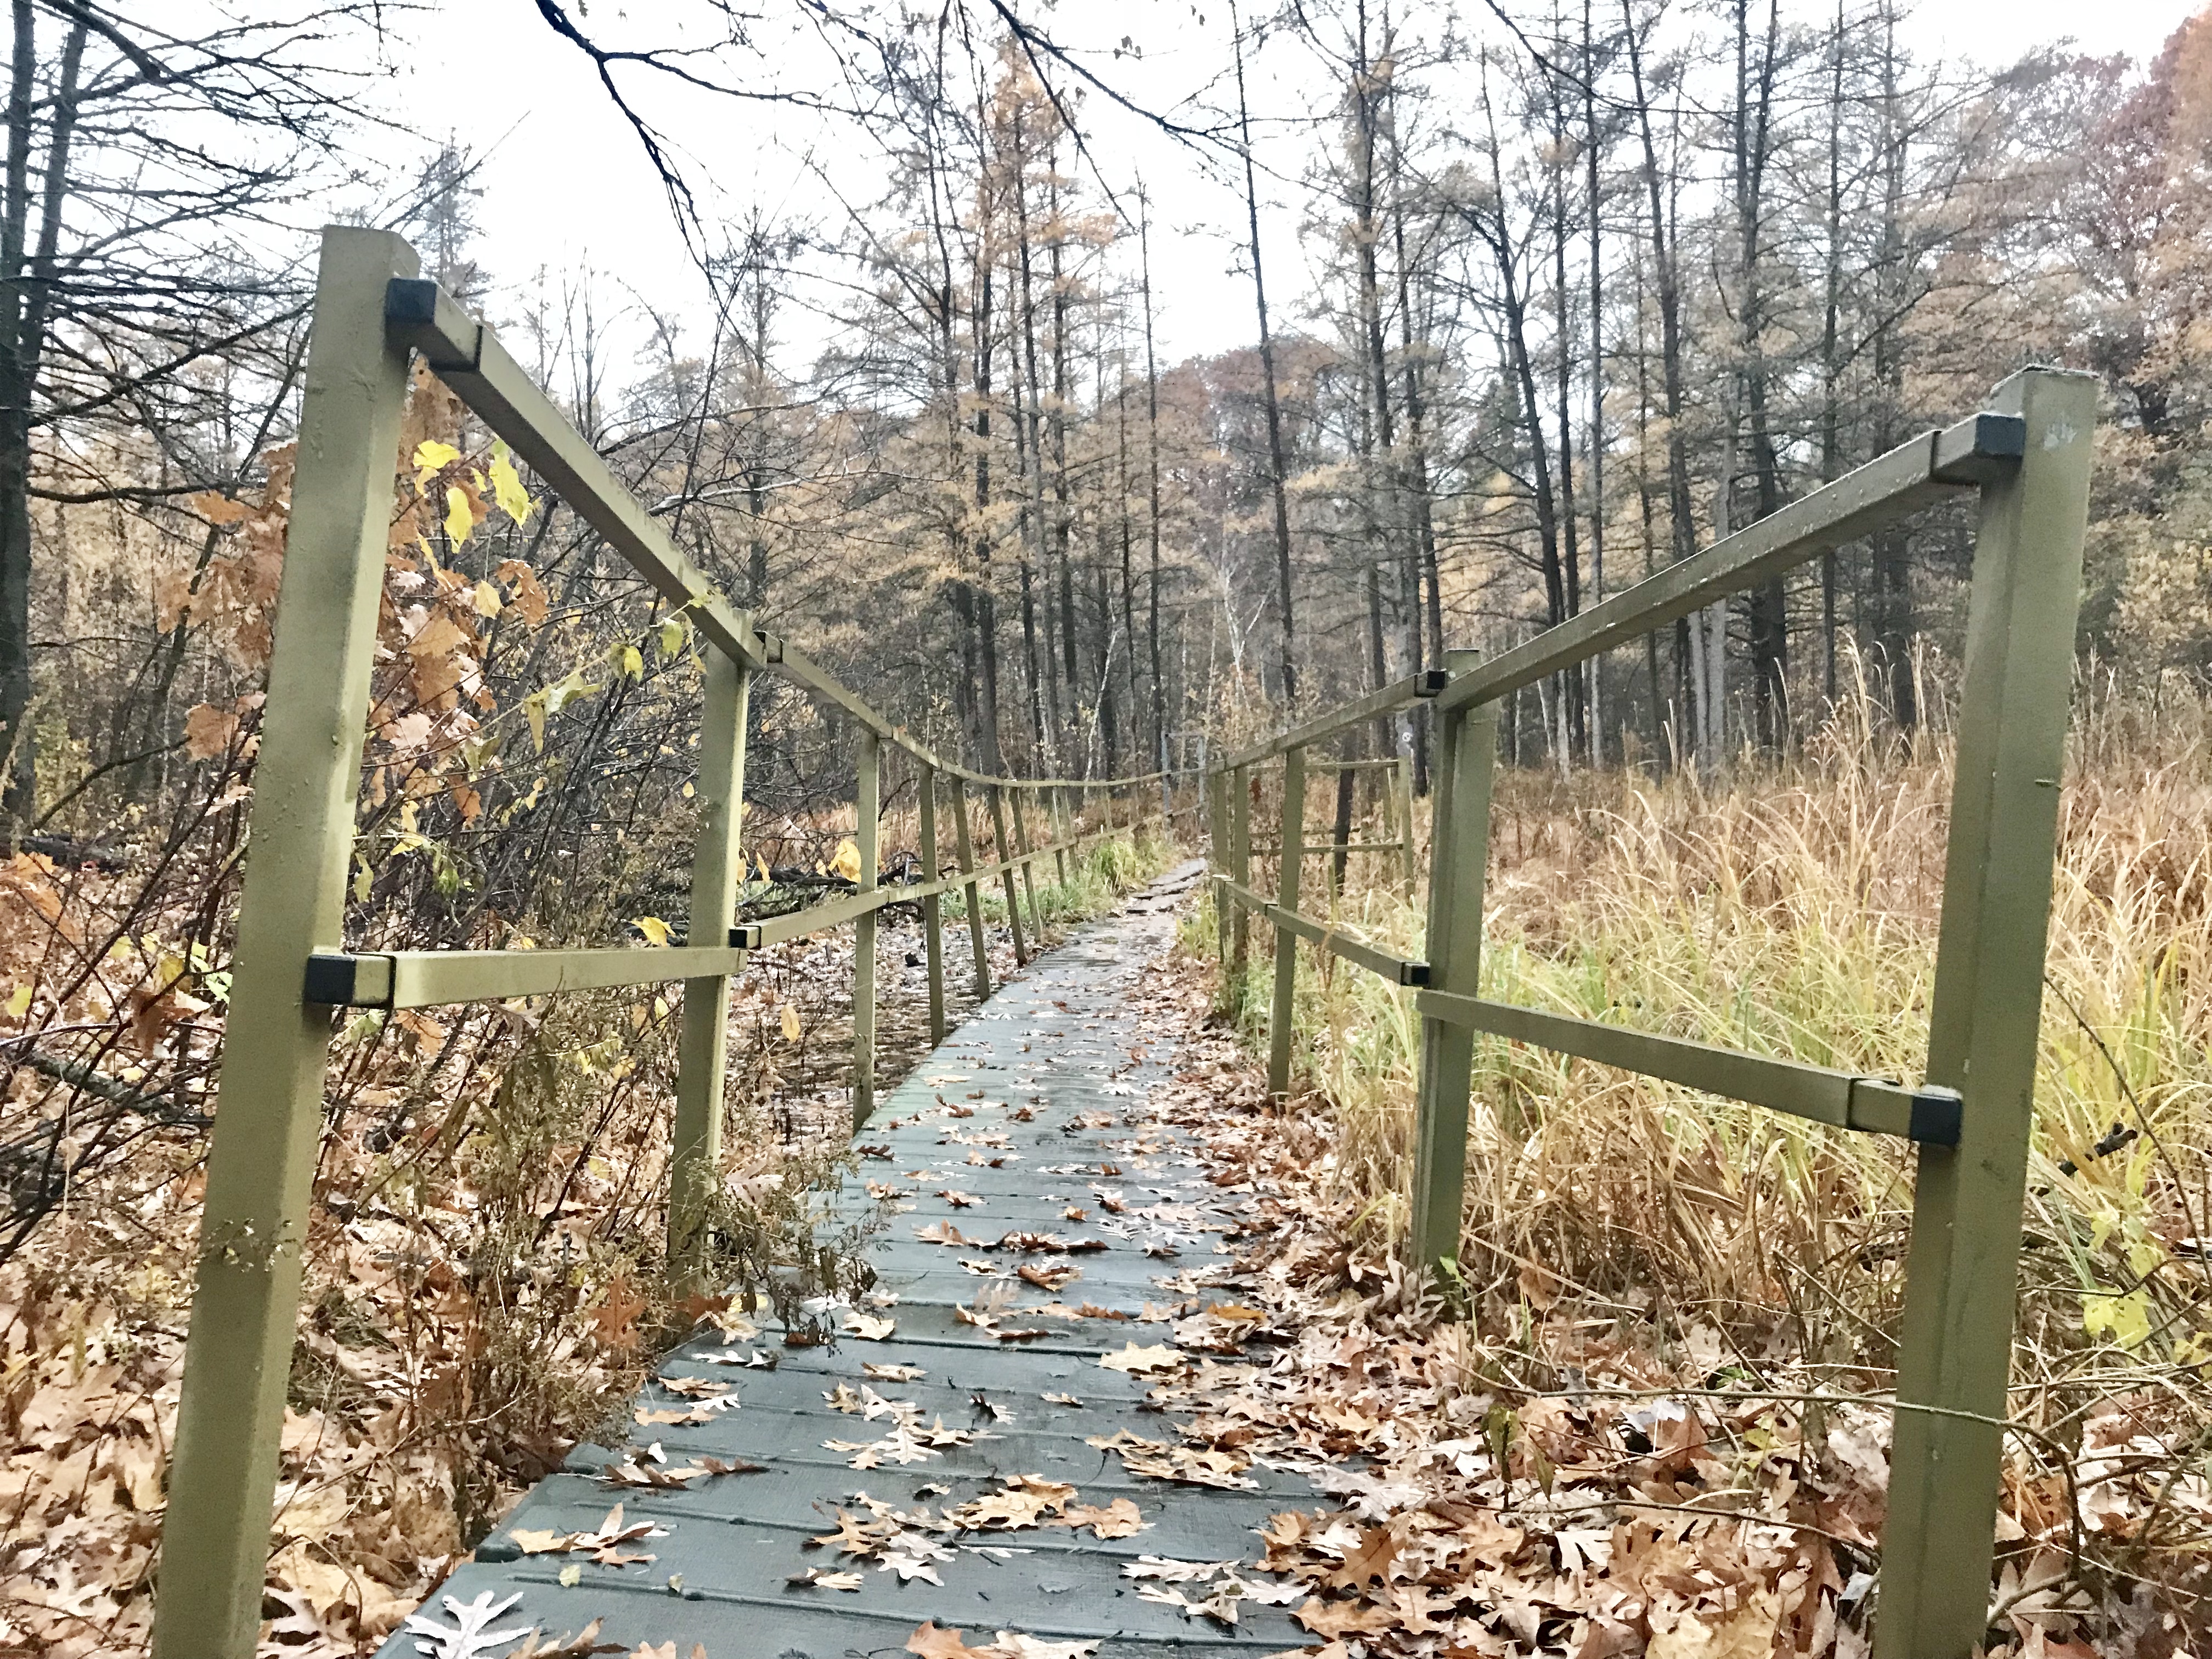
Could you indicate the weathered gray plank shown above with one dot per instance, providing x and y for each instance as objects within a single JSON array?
[{"x": 1056, "y": 1042}]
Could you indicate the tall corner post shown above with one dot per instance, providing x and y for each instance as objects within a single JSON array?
[
  {"x": 1280, "y": 1017},
  {"x": 867, "y": 794},
  {"x": 1004, "y": 849},
  {"x": 1954, "y": 1363},
  {"x": 702, "y": 1043},
  {"x": 964, "y": 840},
  {"x": 932, "y": 909},
  {"x": 269, "y": 1120},
  {"x": 1459, "y": 856}
]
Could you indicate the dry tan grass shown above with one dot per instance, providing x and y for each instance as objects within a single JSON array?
[{"x": 1790, "y": 907}]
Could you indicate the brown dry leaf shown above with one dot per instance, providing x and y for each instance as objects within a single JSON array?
[
  {"x": 1369, "y": 1559},
  {"x": 614, "y": 1322},
  {"x": 931, "y": 1643},
  {"x": 1747, "y": 1633},
  {"x": 1340, "y": 1619},
  {"x": 209, "y": 731},
  {"x": 584, "y": 1643},
  {"x": 825, "y": 1578},
  {"x": 1144, "y": 1362},
  {"x": 1119, "y": 1519}
]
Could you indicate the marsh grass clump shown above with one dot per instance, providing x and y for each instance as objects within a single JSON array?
[{"x": 1789, "y": 906}]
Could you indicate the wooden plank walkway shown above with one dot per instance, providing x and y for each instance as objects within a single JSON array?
[{"x": 1063, "y": 1103}]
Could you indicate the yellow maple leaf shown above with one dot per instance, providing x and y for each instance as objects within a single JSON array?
[
  {"x": 507, "y": 485},
  {"x": 655, "y": 930},
  {"x": 488, "y": 601},
  {"x": 847, "y": 863},
  {"x": 430, "y": 456},
  {"x": 460, "y": 521}
]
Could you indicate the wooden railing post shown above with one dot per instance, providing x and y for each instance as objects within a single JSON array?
[
  {"x": 867, "y": 785},
  {"x": 1954, "y": 1358},
  {"x": 1459, "y": 855},
  {"x": 261, "y": 1163},
  {"x": 1279, "y": 1031},
  {"x": 1217, "y": 858},
  {"x": 932, "y": 909},
  {"x": 1402, "y": 776},
  {"x": 1004, "y": 848},
  {"x": 695, "y": 1153},
  {"x": 964, "y": 844},
  {"x": 1239, "y": 871},
  {"x": 1029, "y": 867},
  {"x": 1056, "y": 803}
]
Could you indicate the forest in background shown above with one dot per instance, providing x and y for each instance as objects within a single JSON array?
[{"x": 1576, "y": 298}]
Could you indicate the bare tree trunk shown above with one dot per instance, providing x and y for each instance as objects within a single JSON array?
[
  {"x": 986, "y": 613},
  {"x": 18, "y": 800},
  {"x": 1831, "y": 360},
  {"x": 1421, "y": 553},
  {"x": 1152, "y": 487},
  {"x": 1666, "y": 277},
  {"x": 1278, "y": 482},
  {"x": 1573, "y": 711},
  {"x": 1596, "y": 438},
  {"x": 1769, "y": 614}
]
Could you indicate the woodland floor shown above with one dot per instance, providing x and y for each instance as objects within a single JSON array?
[{"x": 1123, "y": 1387}]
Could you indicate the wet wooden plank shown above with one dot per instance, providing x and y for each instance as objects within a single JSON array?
[{"x": 1040, "y": 1084}]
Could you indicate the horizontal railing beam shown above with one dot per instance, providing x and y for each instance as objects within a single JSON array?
[
  {"x": 430, "y": 979},
  {"x": 1839, "y": 1099},
  {"x": 1920, "y": 471},
  {"x": 1317, "y": 848},
  {"x": 1398, "y": 695},
  {"x": 469, "y": 357},
  {"x": 1399, "y": 970}
]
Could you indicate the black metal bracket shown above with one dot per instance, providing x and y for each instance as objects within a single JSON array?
[
  {"x": 1980, "y": 448},
  {"x": 412, "y": 303},
  {"x": 338, "y": 979},
  {"x": 1938, "y": 1116}
]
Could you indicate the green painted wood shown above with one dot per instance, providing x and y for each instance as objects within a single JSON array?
[
  {"x": 1022, "y": 850},
  {"x": 695, "y": 1148},
  {"x": 1458, "y": 857},
  {"x": 269, "y": 1117},
  {"x": 1282, "y": 1023},
  {"x": 933, "y": 906},
  {"x": 997, "y": 797},
  {"x": 1956, "y": 1350},
  {"x": 867, "y": 811},
  {"x": 964, "y": 840},
  {"x": 1917, "y": 473},
  {"x": 1239, "y": 871}
]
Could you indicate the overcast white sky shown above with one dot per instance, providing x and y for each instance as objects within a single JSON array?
[{"x": 567, "y": 185}]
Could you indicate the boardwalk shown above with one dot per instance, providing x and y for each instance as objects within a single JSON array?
[{"x": 1057, "y": 1105}]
